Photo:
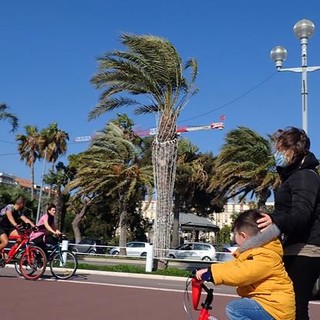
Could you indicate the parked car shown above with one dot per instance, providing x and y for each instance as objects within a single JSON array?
[
  {"x": 87, "y": 245},
  {"x": 194, "y": 251},
  {"x": 133, "y": 249},
  {"x": 226, "y": 253}
]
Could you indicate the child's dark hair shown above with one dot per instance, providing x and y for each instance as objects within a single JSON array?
[
  {"x": 247, "y": 221},
  {"x": 20, "y": 200}
]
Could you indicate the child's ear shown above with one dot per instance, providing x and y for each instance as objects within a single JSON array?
[{"x": 243, "y": 235}]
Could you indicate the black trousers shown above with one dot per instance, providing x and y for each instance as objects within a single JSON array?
[
  {"x": 303, "y": 272},
  {"x": 49, "y": 239}
]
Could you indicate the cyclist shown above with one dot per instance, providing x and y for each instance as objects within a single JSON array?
[
  {"x": 9, "y": 224},
  {"x": 46, "y": 229},
  {"x": 258, "y": 271}
]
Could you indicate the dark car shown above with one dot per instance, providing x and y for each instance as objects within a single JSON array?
[{"x": 87, "y": 245}]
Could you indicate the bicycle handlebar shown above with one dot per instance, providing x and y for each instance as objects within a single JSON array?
[
  {"x": 60, "y": 237},
  {"x": 23, "y": 228},
  {"x": 205, "y": 276}
]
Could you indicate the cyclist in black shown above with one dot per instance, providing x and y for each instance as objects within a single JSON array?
[{"x": 9, "y": 224}]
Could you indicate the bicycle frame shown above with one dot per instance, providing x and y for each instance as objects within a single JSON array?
[
  {"x": 21, "y": 240},
  {"x": 55, "y": 248},
  {"x": 30, "y": 260}
]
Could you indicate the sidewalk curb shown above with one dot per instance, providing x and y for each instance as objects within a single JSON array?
[{"x": 130, "y": 275}]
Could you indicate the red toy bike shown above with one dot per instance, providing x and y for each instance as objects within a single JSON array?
[{"x": 196, "y": 288}]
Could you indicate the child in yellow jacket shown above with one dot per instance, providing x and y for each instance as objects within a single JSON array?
[{"x": 258, "y": 272}]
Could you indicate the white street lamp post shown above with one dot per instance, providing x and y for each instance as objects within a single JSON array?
[{"x": 303, "y": 30}]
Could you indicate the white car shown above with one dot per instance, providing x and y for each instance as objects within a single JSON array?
[
  {"x": 194, "y": 251},
  {"x": 133, "y": 249},
  {"x": 226, "y": 253}
]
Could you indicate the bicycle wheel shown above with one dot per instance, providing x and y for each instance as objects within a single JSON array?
[
  {"x": 64, "y": 264},
  {"x": 33, "y": 263}
]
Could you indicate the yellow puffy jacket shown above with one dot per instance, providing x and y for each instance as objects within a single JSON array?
[{"x": 259, "y": 274}]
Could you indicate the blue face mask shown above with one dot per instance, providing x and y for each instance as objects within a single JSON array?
[{"x": 280, "y": 159}]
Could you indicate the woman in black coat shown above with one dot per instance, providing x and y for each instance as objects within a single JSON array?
[{"x": 297, "y": 213}]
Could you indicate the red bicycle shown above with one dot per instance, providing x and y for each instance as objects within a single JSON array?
[
  {"x": 32, "y": 259},
  {"x": 196, "y": 289}
]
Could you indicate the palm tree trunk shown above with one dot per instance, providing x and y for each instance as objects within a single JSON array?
[
  {"x": 59, "y": 205},
  {"x": 164, "y": 157},
  {"x": 122, "y": 225},
  {"x": 123, "y": 232},
  {"x": 32, "y": 181},
  {"x": 52, "y": 170},
  {"x": 176, "y": 222},
  {"x": 76, "y": 221}
]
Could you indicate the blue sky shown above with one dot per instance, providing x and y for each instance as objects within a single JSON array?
[{"x": 49, "y": 50}]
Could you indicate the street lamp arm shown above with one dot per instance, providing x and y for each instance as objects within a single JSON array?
[
  {"x": 300, "y": 69},
  {"x": 311, "y": 69}
]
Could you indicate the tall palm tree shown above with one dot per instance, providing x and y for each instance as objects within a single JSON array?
[
  {"x": 54, "y": 143},
  {"x": 111, "y": 167},
  {"x": 28, "y": 147},
  {"x": 5, "y": 115},
  {"x": 151, "y": 68},
  {"x": 59, "y": 180},
  {"x": 245, "y": 165}
]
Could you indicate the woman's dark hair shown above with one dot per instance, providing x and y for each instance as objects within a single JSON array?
[
  {"x": 50, "y": 206},
  {"x": 247, "y": 221},
  {"x": 292, "y": 139},
  {"x": 50, "y": 217}
]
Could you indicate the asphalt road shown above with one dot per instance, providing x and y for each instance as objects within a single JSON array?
[{"x": 100, "y": 295}]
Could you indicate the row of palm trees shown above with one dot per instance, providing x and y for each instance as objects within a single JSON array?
[
  {"x": 117, "y": 167},
  {"x": 151, "y": 68},
  {"x": 49, "y": 143}
]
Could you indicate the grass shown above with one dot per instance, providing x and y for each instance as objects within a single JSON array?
[{"x": 135, "y": 269}]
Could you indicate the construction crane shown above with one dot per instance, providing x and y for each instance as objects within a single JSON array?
[
  {"x": 153, "y": 131},
  {"x": 182, "y": 129}
]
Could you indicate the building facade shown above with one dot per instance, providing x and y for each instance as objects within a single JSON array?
[
  {"x": 26, "y": 184},
  {"x": 219, "y": 219}
]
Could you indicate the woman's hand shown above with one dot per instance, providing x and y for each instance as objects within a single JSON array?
[
  {"x": 57, "y": 232},
  {"x": 264, "y": 222}
]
